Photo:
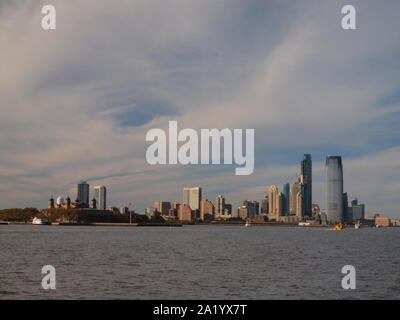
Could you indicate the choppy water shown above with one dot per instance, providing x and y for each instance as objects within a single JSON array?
[{"x": 198, "y": 262}]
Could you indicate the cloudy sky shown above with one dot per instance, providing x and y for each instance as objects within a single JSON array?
[{"x": 76, "y": 102}]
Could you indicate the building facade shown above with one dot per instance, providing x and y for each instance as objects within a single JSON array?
[
  {"x": 334, "y": 189},
  {"x": 83, "y": 193},
  {"x": 207, "y": 210},
  {"x": 192, "y": 197},
  {"x": 306, "y": 172},
  {"x": 100, "y": 194},
  {"x": 272, "y": 195}
]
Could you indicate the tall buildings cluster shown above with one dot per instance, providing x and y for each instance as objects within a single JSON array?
[
  {"x": 295, "y": 200},
  {"x": 98, "y": 202},
  {"x": 290, "y": 204}
]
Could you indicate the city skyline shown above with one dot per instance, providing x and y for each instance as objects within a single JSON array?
[
  {"x": 68, "y": 117},
  {"x": 276, "y": 205}
]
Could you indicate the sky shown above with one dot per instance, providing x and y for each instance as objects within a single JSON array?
[{"x": 76, "y": 102}]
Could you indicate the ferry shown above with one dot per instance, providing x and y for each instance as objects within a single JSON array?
[
  {"x": 38, "y": 221},
  {"x": 304, "y": 224}
]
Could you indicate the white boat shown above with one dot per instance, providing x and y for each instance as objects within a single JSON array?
[
  {"x": 248, "y": 224},
  {"x": 357, "y": 225},
  {"x": 39, "y": 221}
]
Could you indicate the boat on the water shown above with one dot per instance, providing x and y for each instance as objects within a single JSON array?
[
  {"x": 357, "y": 225},
  {"x": 248, "y": 224},
  {"x": 338, "y": 227},
  {"x": 38, "y": 221}
]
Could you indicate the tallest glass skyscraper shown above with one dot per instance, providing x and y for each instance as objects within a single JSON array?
[
  {"x": 334, "y": 189},
  {"x": 306, "y": 172}
]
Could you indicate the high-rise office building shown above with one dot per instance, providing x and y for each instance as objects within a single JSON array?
[
  {"x": 100, "y": 194},
  {"x": 219, "y": 205},
  {"x": 279, "y": 204},
  {"x": 244, "y": 212},
  {"x": 294, "y": 190},
  {"x": 347, "y": 214},
  {"x": 358, "y": 210},
  {"x": 299, "y": 205},
  {"x": 264, "y": 205},
  {"x": 207, "y": 210},
  {"x": 334, "y": 189},
  {"x": 83, "y": 193},
  {"x": 185, "y": 213},
  {"x": 286, "y": 199},
  {"x": 306, "y": 172},
  {"x": 254, "y": 207},
  {"x": 272, "y": 195},
  {"x": 192, "y": 197},
  {"x": 162, "y": 207}
]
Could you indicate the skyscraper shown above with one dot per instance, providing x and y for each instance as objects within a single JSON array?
[
  {"x": 334, "y": 189},
  {"x": 219, "y": 205},
  {"x": 272, "y": 194},
  {"x": 299, "y": 205},
  {"x": 192, "y": 197},
  {"x": 264, "y": 204},
  {"x": 286, "y": 199},
  {"x": 83, "y": 193},
  {"x": 306, "y": 172},
  {"x": 279, "y": 204},
  {"x": 100, "y": 194},
  {"x": 207, "y": 210},
  {"x": 293, "y": 198}
]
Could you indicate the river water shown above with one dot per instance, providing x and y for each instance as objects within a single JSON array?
[{"x": 198, "y": 262}]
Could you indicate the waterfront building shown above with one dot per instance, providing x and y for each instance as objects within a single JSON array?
[
  {"x": 299, "y": 205},
  {"x": 83, "y": 193},
  {"x": 358, "y": 210},
  {"x": 207, "y": 210},
  {"x": 185, "y": 213},
  {"x": 264, "y": 205},
  {"x": 286, "y": 199},
  {"x": 100, "y": 194},
  {"x": 382, "y": 221},
  {"x": 347, "y": 214},
  {"x": 254, "y": 207},
  {"x": 334, "y": 189},
  {"x": 192, "y": 197},
  {"x": 294, "y": 190},
  {"x": 219, "y": 205},
  {"x": 279, "y": 204},
  {"x": 306, "y": 172},
  {"x": 228, "y": 209},
  {"x": 163, "y": 207},
  {"x": 272, "y": 196},
  {"x": 243, "y": 212}
]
